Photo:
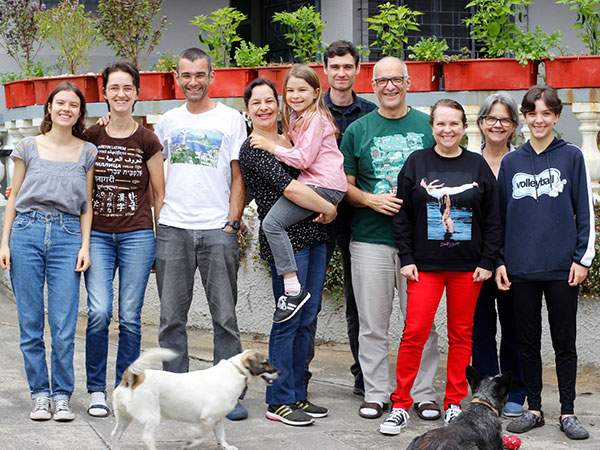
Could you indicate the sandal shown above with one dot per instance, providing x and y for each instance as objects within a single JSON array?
[
  {"x": 374, "y": 406},
  {"x": 98, "y": 410},
  {"x": 428, "y": 406}
]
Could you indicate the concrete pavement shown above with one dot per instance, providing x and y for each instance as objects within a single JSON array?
[{"x": 331, "y": 387}]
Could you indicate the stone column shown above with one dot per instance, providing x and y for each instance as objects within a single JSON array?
[
  {"x": 588, "y": 115},
  {"x": 473, "y": 134}
]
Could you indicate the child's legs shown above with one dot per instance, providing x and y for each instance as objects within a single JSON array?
[
  {"x": 331, "y": 195},
  {"x": 283, "y": 214},
  {"x": 561, "y": 301},
  {"x": 461, "y": 297}
]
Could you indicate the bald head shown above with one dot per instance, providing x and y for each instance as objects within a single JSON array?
[{"x": 390, "y": 63}]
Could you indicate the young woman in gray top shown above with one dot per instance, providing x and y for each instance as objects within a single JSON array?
[{"x": 46, "y": 239}]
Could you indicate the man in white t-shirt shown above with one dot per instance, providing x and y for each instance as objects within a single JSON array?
[{"x": 198, "y": 224}]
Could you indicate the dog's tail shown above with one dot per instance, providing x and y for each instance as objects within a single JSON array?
[
  {"x": 134, "y": 374},
  {"x": 149, "y": 358}
]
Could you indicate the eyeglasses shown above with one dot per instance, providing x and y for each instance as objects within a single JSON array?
[
  {"x": 396, "y": 81},
  {"x": 491, "y": 121},
  {"x": 197, "y": 76},
  {"x": 127, "y": 89}
]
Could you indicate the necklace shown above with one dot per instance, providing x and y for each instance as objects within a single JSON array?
[{"x": 118, "y": 134}]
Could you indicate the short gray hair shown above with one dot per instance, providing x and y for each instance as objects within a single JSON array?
[
  {"x": 505, "y": 99},
  {"x": 402, "y": 63}
]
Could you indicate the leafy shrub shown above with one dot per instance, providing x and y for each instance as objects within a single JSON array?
[
  {"x": 305, "y": 32},
  {"x": 391, "y": 25},
  {"x": 429, "y": 49},
  {"x": 249, "y": 55},
  {"x": 591, "y": 285},
  {"x": 19, "y": 32},
  {"x": 167, "y": 62}
]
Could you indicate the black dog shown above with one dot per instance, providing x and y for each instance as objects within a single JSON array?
[{"x": 478, "y": 427}]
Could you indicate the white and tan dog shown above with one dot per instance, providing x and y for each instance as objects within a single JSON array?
[{"x": 204, "y": 397}]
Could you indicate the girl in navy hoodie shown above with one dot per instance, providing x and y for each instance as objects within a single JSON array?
[{"x": 548, "y": 218}]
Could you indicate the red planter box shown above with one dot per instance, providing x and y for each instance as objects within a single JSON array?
[
  {"x": 87, "y": 83},
  {"x": 488, "y": 74},
  {"x": 424, "y": 75},
  {"x": 229, "y": 82},
  {"x": 276, "y": 74},
  {"x": 156, "y": 86},
  {"x": 19, "y": 93},
  {"x": 573, "y": 71}
]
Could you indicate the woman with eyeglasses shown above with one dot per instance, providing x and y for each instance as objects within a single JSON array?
[
  {"x": 434, "y": 258},
  {"x": 498, "y": 119},
  {"x": 129, "y": 168}
]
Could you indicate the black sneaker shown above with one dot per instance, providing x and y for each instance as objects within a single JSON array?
[
  {"x": 312, "y": 410},
  {"x": 526, "y": 422},
  {"x": 288, "y": 414},
  {"x": 288, "y": 305}
]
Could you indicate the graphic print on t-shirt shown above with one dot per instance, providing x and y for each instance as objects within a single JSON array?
[
  {"x": 388, "y": 154},
  {"x": 195, "y": 146},
  {"x": 117, "y": 173},
  {"x": 447, "y": 218},
  {"x": 547, "y": 182}
]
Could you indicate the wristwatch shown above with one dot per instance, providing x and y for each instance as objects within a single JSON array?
[{"x": 233, "y": 224}]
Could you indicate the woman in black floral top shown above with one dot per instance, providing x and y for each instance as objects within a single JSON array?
[{"x": 267, "y": 180}]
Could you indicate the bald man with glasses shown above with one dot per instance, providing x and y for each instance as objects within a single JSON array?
[{"x": 375, "y": 148}]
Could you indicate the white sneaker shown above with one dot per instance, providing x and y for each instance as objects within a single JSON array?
[
  {"x": 451, "y": 413},
  {"x": 41, "y": 409},
  {"x": 397, "y": 420},
  {"x": 63, "y": 411}
]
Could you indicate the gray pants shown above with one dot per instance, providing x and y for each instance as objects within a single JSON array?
[
  {"x": 375, "y": 274},
  {"x": 216, "y": 255},
  {"x": 283, "y": 214}
]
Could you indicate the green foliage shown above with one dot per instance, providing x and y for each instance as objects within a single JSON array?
[
  {"x": 465, "y": 53},
  {"x": 305, "y": 32},
  {"x": 167, "y": 62},
  {"x": 7, "y": 77},
  {"x": 535, "y": 45},
  {"x": 363, "y": 51},
  {"x": 588, "y": 21},
  {"x": 37, "y": 70},
  {"x": 429, "y": 49},
  {"x": 391, "y": 25},
  {"x": 19, "y": 32},
  {"x": 218, "y": 31},
  {"x": 494, "y": 28},
  {"x": 249, "y": 55},
  {"x": 591, "y": 285},
  {"x": 334, "y": 280},
  {"x": 70, "y": 31},
  {"x": 492, "y": 25},
  {"x": 132, "y": 28}
]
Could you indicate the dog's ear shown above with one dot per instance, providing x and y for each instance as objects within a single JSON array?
[
  {"x": 473, "y": 378},
  {"x": 503, "y": 385}
]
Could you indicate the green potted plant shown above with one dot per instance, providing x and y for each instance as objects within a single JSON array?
[
  {"x": 218, "y": 31},
  {"x": 391, "y": 25},
  {"x": 425, "y": 70},
  {"x": 492, "y": 26},
  {"x": 580, "y": 70},
  {"x": 133, "y": 30},
  {"x": 71, "y": 32},
  {"x": 21, "y": 40}
]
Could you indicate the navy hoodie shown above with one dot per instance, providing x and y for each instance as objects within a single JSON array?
[{"x": 547, "y": 212}]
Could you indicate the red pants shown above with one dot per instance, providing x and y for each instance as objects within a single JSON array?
[{"x": 423, "y": 300}]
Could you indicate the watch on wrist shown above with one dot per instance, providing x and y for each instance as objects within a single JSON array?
[{"x": 233, "y": 224}]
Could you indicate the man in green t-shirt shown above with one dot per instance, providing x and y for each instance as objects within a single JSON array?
[{"x": 375, "y": 148}]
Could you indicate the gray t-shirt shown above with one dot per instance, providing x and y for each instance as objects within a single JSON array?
[{"x": 53, "y": 186}]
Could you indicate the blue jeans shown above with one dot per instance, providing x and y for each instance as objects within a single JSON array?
[
  {"x": 216, "y": 254},
  {"x": 133, "y": 254},
  {"x": 44, "y": 248},
  {"x": 485, "y": 353},
  {"x": 283, "y": 214},
  {"x": 289, "y": 340}
]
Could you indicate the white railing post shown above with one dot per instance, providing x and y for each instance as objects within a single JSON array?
[{"x": 588, "y": 115}]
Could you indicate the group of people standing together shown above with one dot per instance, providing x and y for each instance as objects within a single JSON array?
[{"x": 420, "y": 215}]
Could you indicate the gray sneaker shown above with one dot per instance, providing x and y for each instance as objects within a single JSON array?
[
  {"x": 41, "y": 409},
  {"x": 573, "y": 428},
  {"x": 63, "y": 411},
  {"x": 526, "y": 422}
]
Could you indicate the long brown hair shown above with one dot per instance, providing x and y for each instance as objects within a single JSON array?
[
  {"x": 310, "y": 76},
  {"x": 78, "y": 129}
]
